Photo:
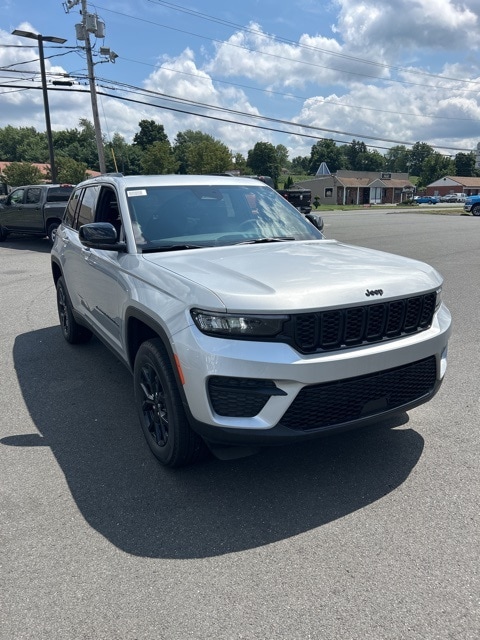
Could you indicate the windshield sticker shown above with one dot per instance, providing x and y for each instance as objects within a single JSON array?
[{"x": 136, "y": 192}]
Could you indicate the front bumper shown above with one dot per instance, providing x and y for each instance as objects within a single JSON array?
[{"x": 258, "y": 393}]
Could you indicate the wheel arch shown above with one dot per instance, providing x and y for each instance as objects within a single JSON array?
[{"x": 141, "y": 327}]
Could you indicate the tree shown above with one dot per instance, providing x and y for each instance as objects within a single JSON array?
[
  {"x": 263, "y": 160},
  {"x": 282, "y": 156},
  {"x": 23, "y": 144},
  {"x": 150, "y": 132},
  {"x": 20, "y": 173},
  {"x": 198, "y": 152},
  {"x": 325, "y": 151},
  {"x": 434, "y": 167},
  {"x": 417, "y": 155},
  {"x": 300, "y": 164},
  {"x": 239, "y": 163},
  {"x": 209, "y": 156},
  {"x": 158, "y": 158},
  {"x": 70, "y": 171},
  {"x": 396, "y": 159},
  {"x": 465, "y": 164}
]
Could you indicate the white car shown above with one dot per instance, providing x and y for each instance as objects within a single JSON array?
[{"x": 241, "y": 323}]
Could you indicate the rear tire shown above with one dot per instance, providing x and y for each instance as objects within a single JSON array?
[
  {"x": 73, "y": 332},
  {"x": 3, "y": 234},
  {"x": 160, "y": 409}
]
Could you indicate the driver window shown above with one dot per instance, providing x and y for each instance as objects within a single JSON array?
[{"x": 17, "y": 196}]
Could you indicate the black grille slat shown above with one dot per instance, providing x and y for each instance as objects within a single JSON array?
[
  {"x": 334, "y": 403},
  {"x": 351, "y": 326}
]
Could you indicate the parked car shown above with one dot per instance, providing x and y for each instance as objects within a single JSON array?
[
  {"x": 34, "y": 210},
  {"x": 242, "y": 324},
  {"x": 453, "y": 197},
  {"x": 472, "y": 205},
  {"x": 426, "y": 199}
]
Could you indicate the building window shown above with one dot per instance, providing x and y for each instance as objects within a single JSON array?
[{"x": 329, "y": 192}]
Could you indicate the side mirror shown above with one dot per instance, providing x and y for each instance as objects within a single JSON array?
[
  {"x": 316, "y": 219},
  {"x": 100, "y": 235}
]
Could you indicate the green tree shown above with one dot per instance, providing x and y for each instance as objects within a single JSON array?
[
  {"x": 263, "y": 160},
  {"x": 198, "y": 152},
  {"x": 417, "y": 155},
  {"x": 183, "y": 141},
  {"x": 325, "y": 151},
  {"x": 239, "y": 163},
  {"x": 465, "y": 164},
  {"x": 21, "y": 173},
  {"x": 282, "y": 156},
  {"x": 158, "y": 158},
  {"x": 300, "y": 165},
  {"x": 70, "y": 171},
  {"x": 354, "y": 154},
  {"x": 23, "y": 144},
  {"x": 397, "y": 159},
  {"x": 128, "y": 157},
  {"x": 434, "y": 167},
  {"x": 150, "y": 132}
]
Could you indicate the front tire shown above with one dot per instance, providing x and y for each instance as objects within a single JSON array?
[
  {"x": 476, "y": 210},
  {"x": 73, "y": 332},
  {"x": 3, "y": 234},
  {"x": 52, "y": 232},
  {"x": 160, "y": 409}
]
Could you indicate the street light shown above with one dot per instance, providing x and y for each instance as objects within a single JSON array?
[{"x": 41, "y": 39}]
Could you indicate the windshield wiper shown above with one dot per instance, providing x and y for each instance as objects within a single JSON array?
[
  {"x": 172, "y": 247},
  {"x": 272, "y": 239}
]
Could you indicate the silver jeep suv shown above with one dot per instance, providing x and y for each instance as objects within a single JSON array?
[{"x": 241, "y": 323}]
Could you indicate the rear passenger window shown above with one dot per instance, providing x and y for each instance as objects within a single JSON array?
[{"x": 33, "y": 196}]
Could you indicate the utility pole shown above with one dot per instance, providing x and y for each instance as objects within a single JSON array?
[
  {"x": 91, "y": 24},
  {"x": 41, "y": 39},
  {"x": 93, "y": 91}
]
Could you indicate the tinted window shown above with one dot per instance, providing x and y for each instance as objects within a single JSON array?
[
  {"x": 86, "y": 213},
  {"x": 69, "y": 216},
  {"x": 33, "y": 195},
  {"x": 59, "y": 194},
  {"x": 17, "y": 196}
]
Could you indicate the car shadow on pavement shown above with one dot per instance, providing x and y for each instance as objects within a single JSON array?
[
  {"x": 22, "y": 242},
  {"x": 81, "y": 401}
]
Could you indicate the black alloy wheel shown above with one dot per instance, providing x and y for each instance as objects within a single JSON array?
[
  {"x": 160, "y": 409},
  {"x": 73, "y": 332}
]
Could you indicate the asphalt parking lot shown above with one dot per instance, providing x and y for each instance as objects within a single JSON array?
[{"x": 368, "y": 535}]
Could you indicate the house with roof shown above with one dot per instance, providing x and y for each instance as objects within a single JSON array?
[
  {"x": 470, "y": 186},
  {"x": 359, "y": 187}
]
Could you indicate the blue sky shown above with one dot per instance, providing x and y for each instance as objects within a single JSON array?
[{"x": 257, "y": 70}]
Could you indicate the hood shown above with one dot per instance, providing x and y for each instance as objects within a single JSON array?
[{"x": 301, "y": 276}]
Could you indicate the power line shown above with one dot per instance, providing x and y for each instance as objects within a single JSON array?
[
  {"x": 249, "y": 124},
  {"x": 301, "y": 46}
]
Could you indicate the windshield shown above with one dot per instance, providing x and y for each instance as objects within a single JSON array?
[{"x": 201, "y": 216}]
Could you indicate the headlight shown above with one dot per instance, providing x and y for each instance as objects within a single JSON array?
[
  {"x": 238, "y": 325},
  {"x": 438, "y": 301}
]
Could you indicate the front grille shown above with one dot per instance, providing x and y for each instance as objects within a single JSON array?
[
  {"x": 353, "y": 326},
  {"x": 334, "y": 403}
]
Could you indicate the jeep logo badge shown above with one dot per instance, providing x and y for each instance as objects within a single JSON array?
[{"x": 374, "y": 292}]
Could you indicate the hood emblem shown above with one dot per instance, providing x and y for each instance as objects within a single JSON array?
[{"x": 374, "y": 292}]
